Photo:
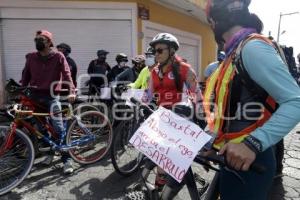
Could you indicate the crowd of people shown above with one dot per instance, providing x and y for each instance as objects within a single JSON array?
[{"x": 249, "y": 70}]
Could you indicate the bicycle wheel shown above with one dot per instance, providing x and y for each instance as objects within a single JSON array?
[
  {"x": 15, "y": 161},
  {"x": 83, "y": 107},
  {"x": 98, "y": 126},
  {"x": 125, "y": 158}
]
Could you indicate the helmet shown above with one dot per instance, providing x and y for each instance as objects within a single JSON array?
[
  {"x": 221, "y": 56},
  {"x": 121, "y": 57},
  {"x": 149, "y": 51},
  {"x": 217, "y": 8},
  {"x": 165, "y": 38},
  {"x": 139, "y": 59},
  {"x": 64, "y": 46}
]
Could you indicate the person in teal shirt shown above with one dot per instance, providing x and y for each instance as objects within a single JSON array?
[{"x": 233, "y": 24}]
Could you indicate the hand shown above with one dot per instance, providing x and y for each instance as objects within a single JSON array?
[
  {"x": 71, "y": 98},
  {"x": 238, "y": 156}
]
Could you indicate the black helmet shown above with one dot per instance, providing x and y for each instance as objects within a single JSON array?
[
  {"x": 121, "y": 57},
  {"x": 217, "y": 9},
  {"x": 165, "y": 38},
  {"x": 64, "y": 46}
]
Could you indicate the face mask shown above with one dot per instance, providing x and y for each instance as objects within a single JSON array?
[
  {"x": 40, "y": 45},
  {"x": 102, "y": 58},
  {"x": 122, "y": 64},
  {"x": 150, "y": 61}
]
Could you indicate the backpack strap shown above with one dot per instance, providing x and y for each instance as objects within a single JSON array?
[{"x": 245, "y": 78}]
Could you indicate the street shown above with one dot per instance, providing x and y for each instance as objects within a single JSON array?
[{"x": 99, "y": 181}]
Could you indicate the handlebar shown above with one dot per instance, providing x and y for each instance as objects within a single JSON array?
[
  {"x": 146, "y": 109},
  {"x": 255, "y": 167}
]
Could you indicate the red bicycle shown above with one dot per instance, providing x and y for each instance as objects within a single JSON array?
[{"x": 88, "y": 138}]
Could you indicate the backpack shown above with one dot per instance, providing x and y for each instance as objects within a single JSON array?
[{"x": 245, "y": 78}]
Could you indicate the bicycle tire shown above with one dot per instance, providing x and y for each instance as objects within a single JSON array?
[
  {"x": 100, "y": 127},
  {"x": 120, "y": 148},
  {"x": 13, "y": 168},
  {"x": 83, "y": 107}
]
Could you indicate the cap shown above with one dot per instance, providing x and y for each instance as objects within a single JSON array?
[
  {"x": 102, "y": 52},
  {"x": 46, "y": 34}
]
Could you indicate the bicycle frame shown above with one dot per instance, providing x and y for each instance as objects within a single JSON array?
[{"x": 20, "y": 122}]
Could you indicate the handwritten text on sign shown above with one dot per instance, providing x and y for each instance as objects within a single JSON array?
[{"x": 170, "y": 141}]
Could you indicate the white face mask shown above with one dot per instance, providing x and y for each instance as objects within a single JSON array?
[
  {"x": 150, "y": 61},
  {"x": 122, "y": 64}
]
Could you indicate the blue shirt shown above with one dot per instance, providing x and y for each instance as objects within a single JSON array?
[
  {"x": 266, "y": 68},
  {"x": 210, "y": 69}
]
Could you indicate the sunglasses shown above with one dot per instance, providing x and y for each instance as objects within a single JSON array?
[{"x": 158, "y": 50}]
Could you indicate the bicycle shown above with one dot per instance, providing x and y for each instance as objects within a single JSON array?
[
  {"x": 172, "y": 187},
  {"x": 78, "y": 106},
  {"x": 125, "y": 158},
  {"x": 88, "y": 138}
]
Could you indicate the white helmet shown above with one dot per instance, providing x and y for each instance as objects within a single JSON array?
[{"x": 165, "y": 38}]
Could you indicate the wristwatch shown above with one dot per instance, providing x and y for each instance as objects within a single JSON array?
[{"x": 253, "y": 143}]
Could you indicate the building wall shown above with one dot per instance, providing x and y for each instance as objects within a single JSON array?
[
  {"x": 165, "y": 16},
  {"x": 158, "y": 14}
]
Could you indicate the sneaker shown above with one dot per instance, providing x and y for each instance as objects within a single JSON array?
[
  {"x": 68, "y": 167},
  {"x": 48, "y": 160}
]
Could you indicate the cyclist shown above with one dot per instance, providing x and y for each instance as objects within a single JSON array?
[
  {"x": 66, "y": 50},
  {"x": 168, "y": 79},
  {"x": 42, "y": 68},
  {"x": 98, "y": 70},
  {"x": 251, "y": 60},
  {"x": 143, "y": 79},
  {"x": 121, "y": 59},
  {"x": 131, "y": 74}
]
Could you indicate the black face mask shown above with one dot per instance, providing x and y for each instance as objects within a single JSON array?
[
  {"x": 101, "y": 58},
  {"x": 40, "y": 45},
  {"x": 65, "y": 53}
]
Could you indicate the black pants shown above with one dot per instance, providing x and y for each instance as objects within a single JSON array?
[{"x": 279, "y": 153}]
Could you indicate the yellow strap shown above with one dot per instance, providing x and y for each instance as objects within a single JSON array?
[
  {"x": 222, "y": 96},
  {"x": 209, "y": 90},
  {"x": 235, "y": 140}
]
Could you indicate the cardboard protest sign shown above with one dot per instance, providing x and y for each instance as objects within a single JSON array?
[{"x": 170, "y": 141}]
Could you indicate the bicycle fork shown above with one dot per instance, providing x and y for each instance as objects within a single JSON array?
[{"x": 8, "y": 140}]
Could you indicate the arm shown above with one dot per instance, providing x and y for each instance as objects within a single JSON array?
[
  {"x": 74, "y": 71},
  {"x": 66, "y": 74},
  {"x": 267, "y": 69},
  {"x": 26, "y": 76},
  {"x": 123, "y": 76},
  {"x": 137, "y": 84},
  {"x": 191, "y": 83},
  {"x": 90, "y": 68}
]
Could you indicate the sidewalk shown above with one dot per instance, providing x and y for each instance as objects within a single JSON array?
[{"x": 288, "y": 187}]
